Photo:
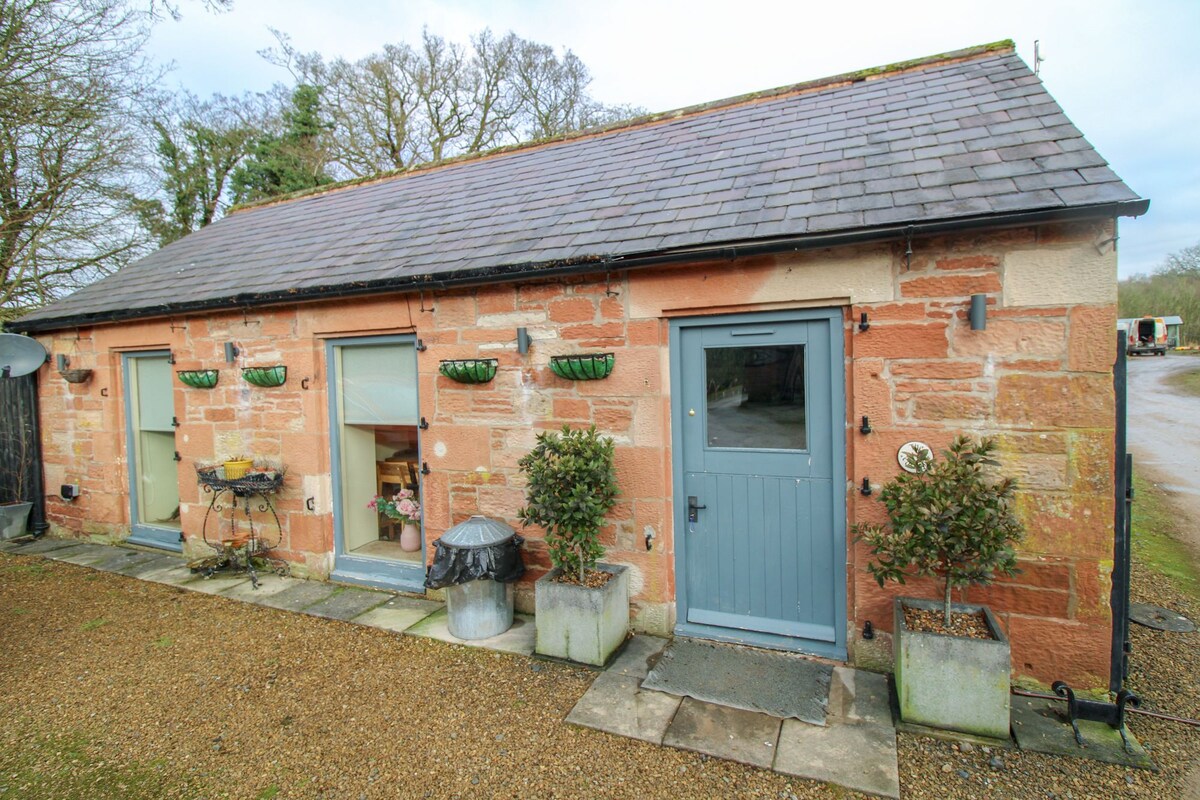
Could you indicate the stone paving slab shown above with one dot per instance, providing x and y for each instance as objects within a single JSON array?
[
  {"x": 217, "y": 584},
  {"x": 640, "y": 654},
  {"x": 122, "y": 559},
  {"x": 42, "y": 546},
  {"x": 173, "y": 575},
  {"x": 616, "y": 704},
  {"x": 10, "y": 546},
  {"x": 856, "y": 695},
  {"x": 859, "y": 756},
  {"x": 345, "y": 603},
  {"x": 520, "y": 638},
  {"x": 298, "y": 596},
  {"x": 268, "y": 586},
  {"x": 155, "y": 563},
  {"x": 398, "y": 614},
  {"x": 745, "y": 736},
  {"x": 1042, "y": 727},
  {"x": 84, "y": 555}
]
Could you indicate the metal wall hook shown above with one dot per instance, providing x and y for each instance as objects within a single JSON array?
[
  {"x": 863, "y": 323},
  {"x": 866, "y": 486},
  {"x": 866, "y": 425}
]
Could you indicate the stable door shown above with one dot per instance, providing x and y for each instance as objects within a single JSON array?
[
  {"x": 376, "y": 459},
  {"x": 760, "y": 487},
  {"x": 150, "y": 450}
]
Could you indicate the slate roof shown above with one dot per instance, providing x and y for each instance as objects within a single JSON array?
[{"x": 972, "y": 134}]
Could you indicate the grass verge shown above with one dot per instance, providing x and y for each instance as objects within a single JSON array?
[
  {"x": 1156, "y": 540},
  {"x": 1186, "y": 381},
  {"x": 70, "y": 766}
]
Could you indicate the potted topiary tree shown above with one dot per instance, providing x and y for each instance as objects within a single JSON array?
[
  {"x": 953, "y": 521},
  {"x": 582, "y": 607}
]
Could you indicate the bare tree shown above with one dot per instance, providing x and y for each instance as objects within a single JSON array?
[
  {"x": 198, "y": 145},
  {"x": 406, "y": 106},
  {"x": 71, "y": 79},
  {"x": 158, "y": 8}
]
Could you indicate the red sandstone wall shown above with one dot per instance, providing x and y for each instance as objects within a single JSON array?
[{"x": 1039, "y": 377}]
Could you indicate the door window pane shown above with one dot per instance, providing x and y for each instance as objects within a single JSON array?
[
  {"x": 755, "y": 397},
  {"x": 379, "y": 384}
]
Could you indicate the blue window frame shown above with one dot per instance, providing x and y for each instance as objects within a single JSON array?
[
  {"x": 373, "y": 416},
  {"x": 150, "y": 449}
]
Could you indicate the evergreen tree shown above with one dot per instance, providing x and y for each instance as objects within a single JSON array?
[{"x": 289, "y": 161}]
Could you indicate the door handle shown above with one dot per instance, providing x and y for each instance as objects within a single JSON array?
[{"x": 693, "y": 507}]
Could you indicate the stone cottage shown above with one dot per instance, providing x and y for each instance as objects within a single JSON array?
[{"x": 783, "y": 280}]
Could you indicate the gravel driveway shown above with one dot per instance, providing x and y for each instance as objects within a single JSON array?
[
  {"x": 1162, "y": 432},
  {"x": 110, "y": 687}
]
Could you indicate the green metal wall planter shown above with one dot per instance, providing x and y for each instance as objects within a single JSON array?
[
  {"x": 591, "y": 367},
  {"x": 469, "y": 370},
  {"x": 198, "y": 378},
  {"x": 265, "y": 376}
]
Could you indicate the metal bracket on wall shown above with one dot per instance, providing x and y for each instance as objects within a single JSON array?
[
  {"x": 304, "y": 383},
  {"x": 866, "y": 486},
  {"x": 177, "y": 456},
  {"x": 425, "y": 468},
  {"x": 311, "y": 503},
  {"x": 423, "y": 424},
  {"x": 866, "y": 425},
  {"x": 175, "y": 422}
]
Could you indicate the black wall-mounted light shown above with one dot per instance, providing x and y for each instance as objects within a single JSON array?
[
  {"x": 978, "y": 312},
  {"x": 232, "y": 351},
  {"x": 523, "y": 341},
  {"x": 863, "y": 323}
]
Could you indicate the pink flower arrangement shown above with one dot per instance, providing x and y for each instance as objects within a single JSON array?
[{"x": 402, "y": 506}]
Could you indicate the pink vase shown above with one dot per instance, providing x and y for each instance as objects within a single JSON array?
[{"x": 410, "y": 538}]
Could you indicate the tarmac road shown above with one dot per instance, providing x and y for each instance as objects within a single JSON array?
[{"x": 1164, "y": 431}]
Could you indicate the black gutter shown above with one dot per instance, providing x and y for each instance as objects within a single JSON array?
[{"x": 721, "y": 252}]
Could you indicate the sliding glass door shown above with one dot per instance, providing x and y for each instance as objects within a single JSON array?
[
  {"x": 150, "y": 450},
  {"x": 376, "y": 453}
]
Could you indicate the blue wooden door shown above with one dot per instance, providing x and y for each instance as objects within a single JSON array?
[{"x": 761, "y": 487}]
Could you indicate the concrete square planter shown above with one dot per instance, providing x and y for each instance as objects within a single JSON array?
[
  {"x": 14, "y": 518},
  {"x": 952, "y": 682},
  {"x": 581, "y": 624}
]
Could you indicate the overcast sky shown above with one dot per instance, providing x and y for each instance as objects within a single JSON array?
[{"x": 1127, "y": 73}]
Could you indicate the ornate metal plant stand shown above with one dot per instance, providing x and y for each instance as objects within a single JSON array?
[{"x": 250, "y": 493}]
